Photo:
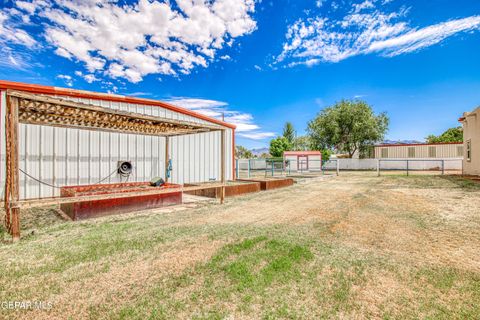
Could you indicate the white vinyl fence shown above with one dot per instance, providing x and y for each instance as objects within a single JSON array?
[
  {"x": 250, "y": 167},
  {"x": 450, "y": 165}
]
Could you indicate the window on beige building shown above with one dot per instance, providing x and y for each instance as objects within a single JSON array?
[
  {"x": 469, "y": 150},
  {"x": 432, "y": 151}
]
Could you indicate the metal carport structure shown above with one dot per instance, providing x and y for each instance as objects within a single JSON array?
[{"x": 40, "y": 109}]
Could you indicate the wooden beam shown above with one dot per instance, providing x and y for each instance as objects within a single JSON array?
[
  {"x": 22, "y": 204},
  {"x": 8, "y": 167},
  {"x": 222, "y": 166},
  {"x": 12, "y": 185},
  {"x": 167, "y": 156}
]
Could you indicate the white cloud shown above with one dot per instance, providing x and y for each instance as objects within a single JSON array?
[
  {"x": 26, "y": 6},
  {"x": 368, "y": 4},
  {"x": 87, "y": 77},
  {"x": 364, "y": 30},
  {"x": 132, "y": 41},
  {"x": 257, "y": 135},
  {"x": 14, "y": 60},
  {"x": 359, "y": 96},
  {"x": 66, "y": 78},
  {"x": 425, "y": 37},
  {"x": 218, "y": 109},
  {"x": 9, "y": 33}
]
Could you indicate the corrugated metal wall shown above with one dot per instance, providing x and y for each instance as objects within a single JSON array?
[
  {"x": 62, "y": 156},
  {"x": 421, "y": 151}
]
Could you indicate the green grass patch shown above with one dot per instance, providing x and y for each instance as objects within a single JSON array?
[
  {"x": 431, "y": 181},
  {"x": 254, "y": 264},
  {"x": 465, "y": 184},
  {"x": 242, "y": 273}
]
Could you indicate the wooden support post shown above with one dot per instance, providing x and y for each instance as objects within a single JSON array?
[
  {"x": 167, "y": 156},
  {"x": 222, "y": 166},
  {"x": 12, "y": 193}
]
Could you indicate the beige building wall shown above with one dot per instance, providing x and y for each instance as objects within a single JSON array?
[
  {"x": 423, "y": 151},
  {"x": 471, "y": 138}
]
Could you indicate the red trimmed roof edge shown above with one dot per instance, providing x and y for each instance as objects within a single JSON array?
[
  {"x": 302, "y": 153},
  {"x": 415, "y": 144},
  {"x": 41, "y": 89}
]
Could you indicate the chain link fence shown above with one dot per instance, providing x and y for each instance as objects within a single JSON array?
[{"x": 247, "y": 168}]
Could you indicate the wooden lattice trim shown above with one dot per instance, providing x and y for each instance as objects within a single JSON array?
[{"x": 43, "y": 110}]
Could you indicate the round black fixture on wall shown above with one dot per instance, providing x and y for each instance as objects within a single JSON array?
[{"x": 124, "y": 167}]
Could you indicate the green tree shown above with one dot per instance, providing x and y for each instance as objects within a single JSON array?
[
  {"x": 450, "y": 135},
  {"x": 326, "y": 154},
  {"x": 301, "y": 143},
  {"x": 289, "y": 132},
  {"x": 278, "y": 146},
  {"x": 347, "y": 126},
  {"x": 243, "y": 153}
]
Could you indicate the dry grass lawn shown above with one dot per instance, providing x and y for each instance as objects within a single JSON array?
[{"x": 353, "y": 246}]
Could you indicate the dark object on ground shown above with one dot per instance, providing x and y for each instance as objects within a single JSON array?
[{"x": 157, "y": 182}]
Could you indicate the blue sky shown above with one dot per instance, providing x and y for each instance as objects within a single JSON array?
[{"x": 261, "y": 63}]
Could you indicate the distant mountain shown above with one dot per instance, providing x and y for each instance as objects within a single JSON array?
[
  {"x": 258, "y": 152},
  {"x": 401, "y": 142}
]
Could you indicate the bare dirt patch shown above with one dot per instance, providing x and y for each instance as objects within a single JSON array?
[
  {"x": 372, "y": 213},
  {"x": 125, "y": 281}
]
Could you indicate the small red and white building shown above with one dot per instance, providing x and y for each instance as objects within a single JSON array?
[{"x": 303, "y": 160}]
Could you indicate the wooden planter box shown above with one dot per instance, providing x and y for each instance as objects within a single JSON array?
[
  {"x": 272, "y": 183},
  {"x": 230, "y": 190},
  {"x": 98, "y": 208}
]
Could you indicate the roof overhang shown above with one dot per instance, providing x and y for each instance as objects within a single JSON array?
[
  {"x": 57, "y": 91},
  {"x": 53, "y": 111}
]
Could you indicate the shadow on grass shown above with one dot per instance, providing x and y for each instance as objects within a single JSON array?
[
  {"x": 462, "y": 182},
  {"x": 430, "y": 182}
]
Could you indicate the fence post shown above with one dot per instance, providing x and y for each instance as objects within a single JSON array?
[
  {"x": 443, "y": 167},
  {"x": 237, "y": 170},
  {"x": 249, "y": 167},
  {"x": 338, "y": 167},
  {"x": 407, "y": 167},
  {"x": 378, "y": 167}
]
